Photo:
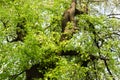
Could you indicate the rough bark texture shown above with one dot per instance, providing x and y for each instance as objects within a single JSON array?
[{"x": 69, "y": 15}]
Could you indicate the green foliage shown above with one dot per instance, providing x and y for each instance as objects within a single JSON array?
[
  {"x": 42, "y": 45},
  {"x": 67, "y": 70}
]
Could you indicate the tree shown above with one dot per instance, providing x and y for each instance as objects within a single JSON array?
[{"x": 30, "y": 45}]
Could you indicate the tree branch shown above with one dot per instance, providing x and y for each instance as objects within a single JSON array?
[
  {"x": 114, "y": 17},
  {"x": 110, "y": 73},
  {"x": 112, "y": 14},
  {"x": 12, "y": 77}
]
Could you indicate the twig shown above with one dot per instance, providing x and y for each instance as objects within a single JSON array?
[
  {"x": 95, "y": 70},
  {"x": 16, "y": 75},
  {"x": 112, "y": 14},
  {"x": 114, "y": 17},
  {"x": 110, "y": 73}
]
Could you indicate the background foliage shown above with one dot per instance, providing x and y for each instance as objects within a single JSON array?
[{"x": 41, "y": 20}]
